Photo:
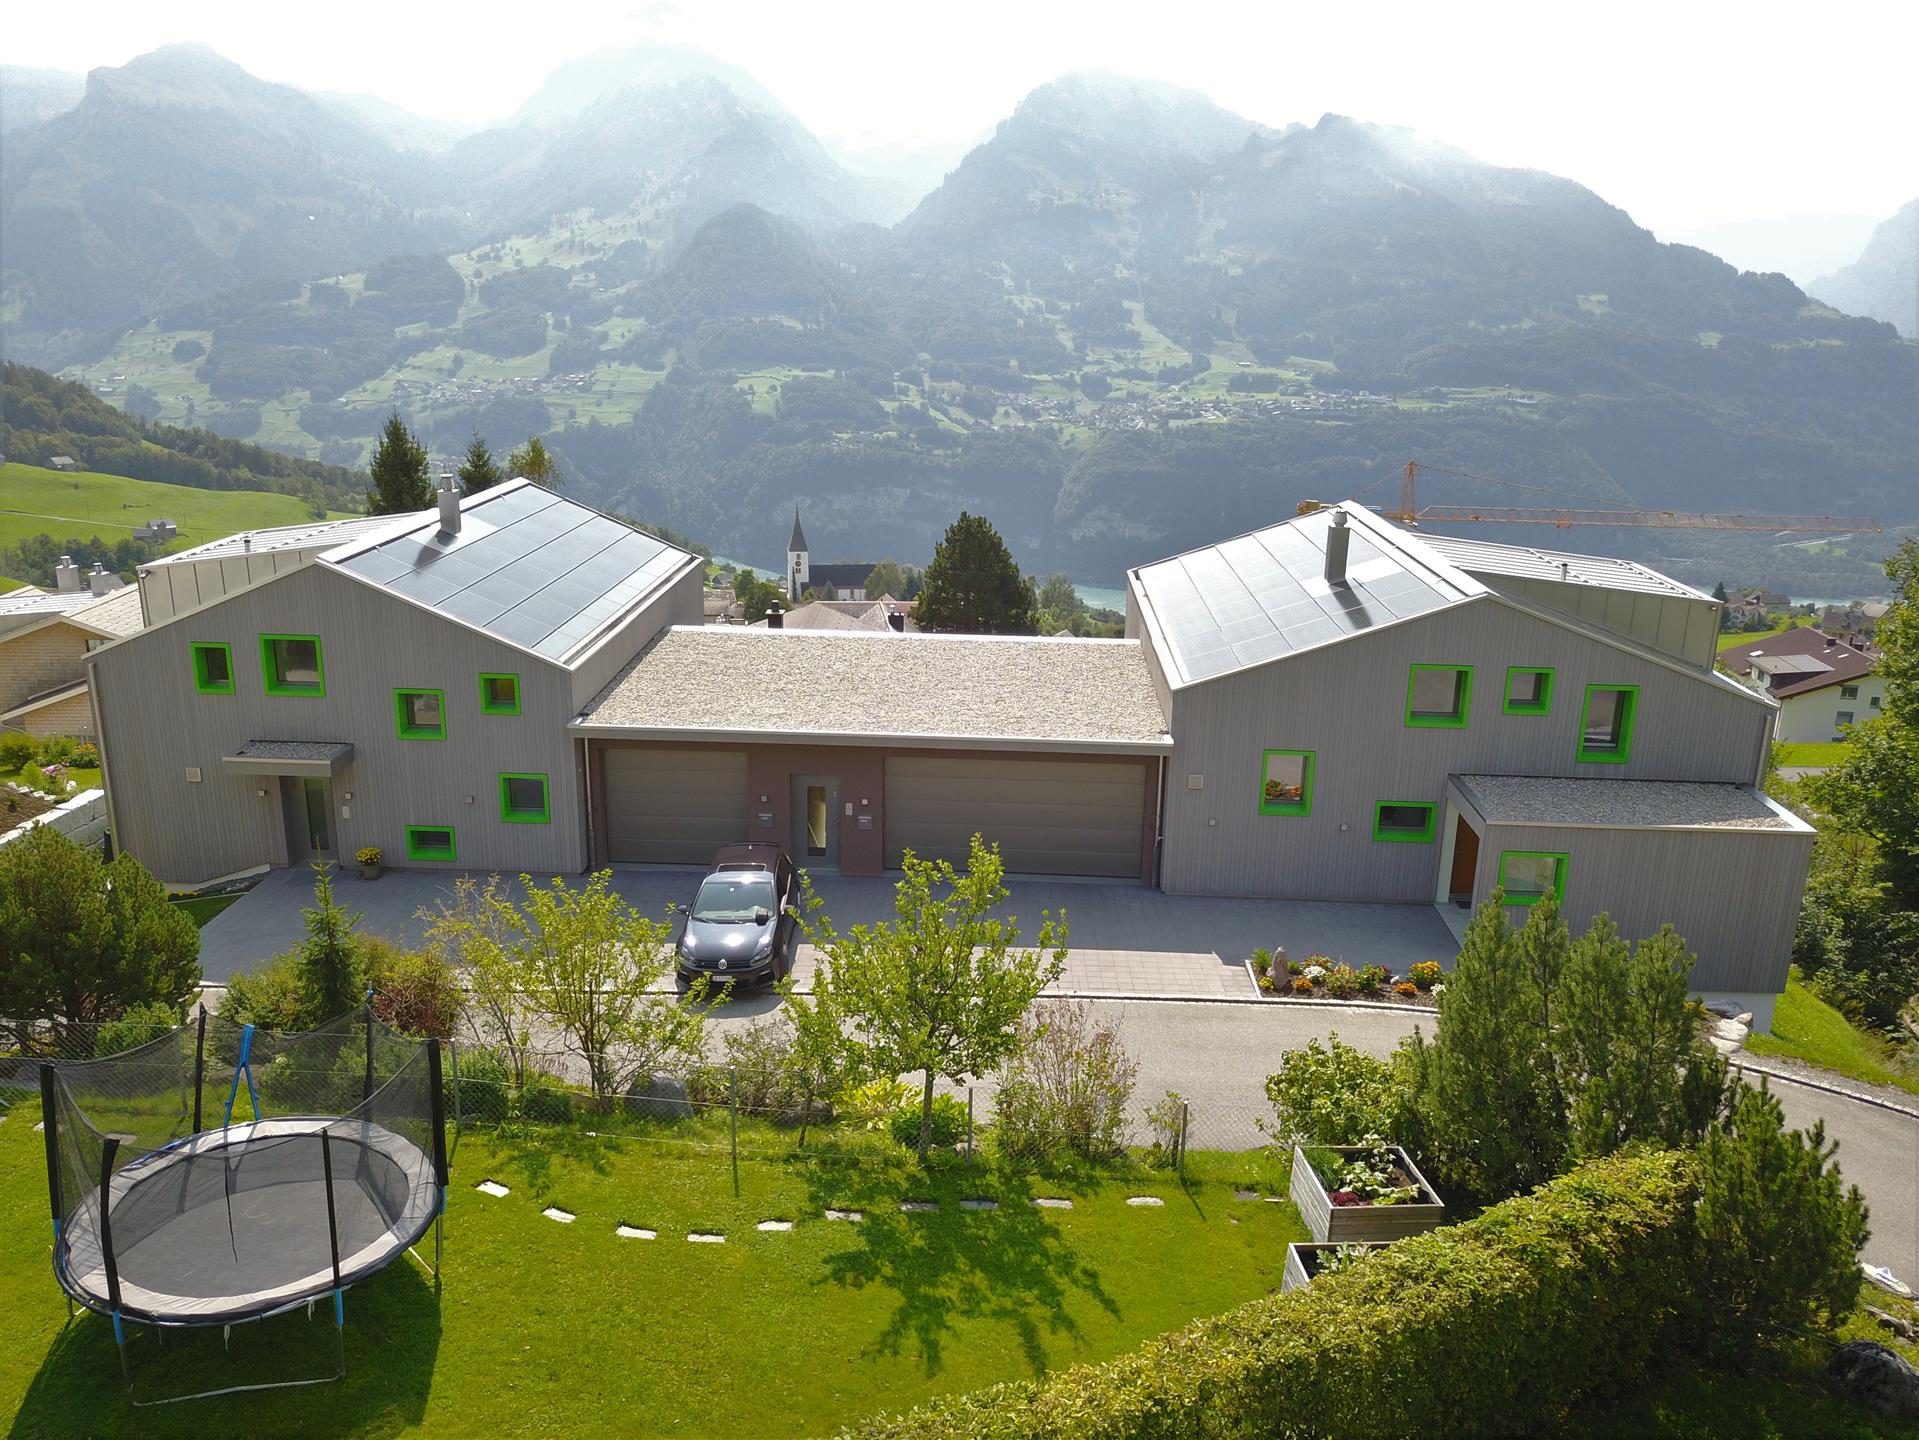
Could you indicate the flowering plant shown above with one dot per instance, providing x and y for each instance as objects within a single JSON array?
[{"x": 1313, "y": 972}]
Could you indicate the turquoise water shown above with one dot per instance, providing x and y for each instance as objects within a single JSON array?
[{"x": 1103, "y": 597}]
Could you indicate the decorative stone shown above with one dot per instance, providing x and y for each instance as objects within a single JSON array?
[
  {"x": 634, "y": 1232},
  {"x": 918, "y": 1207},
  {"x": 1052, "y": 1202},
  {"x": 979, "y": 1203},
  {"x": 774, "y": 1225},
  {"x": 1877, "y": 1377},
  {"x": 705, "y": 1237},
  {"x": 1144, "y": 1200},
  {"x": 854, "y": 1215},
  {"x": 554, "y": 1212},
  {"x": 658, "y": 1097},
  {"x": 493, "y": 1188}
]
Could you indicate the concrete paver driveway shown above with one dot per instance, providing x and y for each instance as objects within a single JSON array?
[{"x": 1123, "y": 939}]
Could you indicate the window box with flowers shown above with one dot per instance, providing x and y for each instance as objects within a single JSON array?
[
  {"x": 1369, "y": 1191},
  {"x": 368, "y": 858}
]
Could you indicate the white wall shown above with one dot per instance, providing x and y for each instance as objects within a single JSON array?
[
  {"x": 83, "y": 818},
  {"x": 1814, "y": 715}
]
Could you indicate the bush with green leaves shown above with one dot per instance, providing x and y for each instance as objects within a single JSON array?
[
  {"x": 949, "y": 1123},
  {"x": 1333, "y": 1094},
  {"x": 18, "y": 750},
  {"x": 138, "y": 1025},
  {"x": 544, "y": 1100},
  {"x": 1064, "y": 1091},
  {"x": 58, "y": 750},
  {"x": 477, "y": 1085}
]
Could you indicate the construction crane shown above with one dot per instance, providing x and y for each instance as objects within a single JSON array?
[{"x": 1409, "y": 512}]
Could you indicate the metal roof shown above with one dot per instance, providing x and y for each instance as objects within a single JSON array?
[
  {"x": 1524, "y": 562},
  {"x": 1264, "y": 595},
  {"x": 1789, "y": 665},
  {"x": 526, "y": 566},
  {"x": 1623, "y": 804},
  {"x": 40, "y": 604},
  {"x": 313, "y": 535},
  {"x": 812, "y": 686}
]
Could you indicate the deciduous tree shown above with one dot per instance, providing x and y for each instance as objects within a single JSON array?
[{"x": 532, "y": 462}]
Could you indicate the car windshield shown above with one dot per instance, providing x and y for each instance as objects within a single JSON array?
[{"x": 732, "y": 899}]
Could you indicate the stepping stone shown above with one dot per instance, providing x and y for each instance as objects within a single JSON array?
[
  {"x": 39, "y": 1127},
  {"x": 1053, "y": 1202},
  {"x": 1144, "y": 1200},
  {"x": 918, "y": 1207},
  {"x": 774, "y": 1225},
  {"x": 493, "y": 1188},
  {"x": 554, "y": 1212},
  {"x": 979, "y": 1204},
  {"x": 845, "y": 1214},
  {"x": 1246, "y": 1194},
  {"x": 700, "y": 1237},
  {"x": 634, "y": 1232}
]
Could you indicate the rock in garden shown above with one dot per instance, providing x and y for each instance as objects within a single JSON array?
[
  {"x": 659, "y": 1097},
  {"x": 1876, "y": 1377}
]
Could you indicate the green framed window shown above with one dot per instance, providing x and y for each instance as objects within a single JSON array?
[
  {"x": 420, "y": 714},
  {"x": 1605, "y": 724},
  {"x": 1409, "y": 822},
  {"x": 292, "y": 665},
  {"x": 1529, "y": 690},
  {"x": 1529, "y": 876},
  {"x": 499, "y": 694},
  {"x": 1286, "y": 782},
  {"x": 212, "y": 667},
  {"x": 431, "y": 842},
  {"x": 524, "y": 800},
  {"x": 1439, "y": 697}
]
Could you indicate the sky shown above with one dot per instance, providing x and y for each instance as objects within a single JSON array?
[{"x": 1687, "y": 113}]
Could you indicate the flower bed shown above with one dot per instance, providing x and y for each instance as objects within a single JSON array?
[
  {"x": 1314, "y": 1258},
  {"x": 1369, "y": 1192},
  {"x": 1321, "y": 977}
]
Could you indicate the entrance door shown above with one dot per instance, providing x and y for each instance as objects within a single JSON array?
[
  {"x": 1465, "y": 861},
  {"x": 816, "y": 821},
  {"x": 309, "y": 811}
]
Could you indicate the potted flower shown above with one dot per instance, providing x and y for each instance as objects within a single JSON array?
[
  {"x": 368, "y": 858},
  {"x": 1368, "y": 1191},
  {"x": 1306, "y": 1261}
]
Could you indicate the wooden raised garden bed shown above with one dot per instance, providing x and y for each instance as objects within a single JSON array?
[
  {"x": 1302, "y": 1261},
  {"x": 1344, "y": 1224}
]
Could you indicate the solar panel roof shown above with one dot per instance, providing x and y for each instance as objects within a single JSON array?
[
  {"x": 527, "y": 566},
  {"x": 1263, "y": 595}
]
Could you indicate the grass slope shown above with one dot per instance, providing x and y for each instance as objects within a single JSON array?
[
  {"x": 1732, "y": 640},
  {"x": 548, "y": 1329},
  {"x": 82, "y": 504},
  {"x": 1811, "y": 752},
  {"x": 1804, "y": 1027}
]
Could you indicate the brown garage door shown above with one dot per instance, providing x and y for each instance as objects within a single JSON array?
[
  {"x": 673, "y": 807},
  {"x": 1049, "y": 817}
]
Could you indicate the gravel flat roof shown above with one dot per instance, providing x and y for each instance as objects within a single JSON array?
[
  {"x": 1628, "y": 804},
  {"x": 1055, "y": 693}
]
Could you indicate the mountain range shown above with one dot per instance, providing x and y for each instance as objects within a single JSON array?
[
  {"x": 1884, "y": 281},
  {"x": 1126, "y": 321}
]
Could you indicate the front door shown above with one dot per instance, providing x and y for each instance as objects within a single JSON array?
[
  {"x": 1465, "y": 861},
  {"x": 816, "y": 821},
  {"x": 309, "y": 810}
]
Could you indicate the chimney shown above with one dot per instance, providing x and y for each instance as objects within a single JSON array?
[
  {"x": 896, "y": 622},
  {"x": 66, "y": 575},
  {"x": 1337, "y": 540},
  {"x": 775, "y": 617},
  {"x": 101, "y": 582},
  {"x": 449, "y": 505}
]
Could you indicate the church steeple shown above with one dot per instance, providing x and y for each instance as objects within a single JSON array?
[
  {"x": 798, "y": 568},
  {"x": 796, "y": 544}
]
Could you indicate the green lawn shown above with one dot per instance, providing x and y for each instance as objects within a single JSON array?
[
  {"x": 1806, "y": 1028},
  {"x": 82, "y": 504},
  {"x": 86, "y": 776},
  {"x": 204, "y": 907},
  {"x": 1732, "y": 640},
  {"x": 547, "y": 1329},
  {"x": 1811, "y": 752}
]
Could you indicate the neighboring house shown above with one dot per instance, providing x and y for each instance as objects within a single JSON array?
[
  {"x": 156, "y": 530},
  {"x": 63, "y": 462},
  {"x": 1765, "y": 600},
  {"x": 1822, "y": 683},
  {"x": 1744, "y": 612},
  {"x": 1859, "y": 617},
  {"x": 885, "y": 613},
  {"x": 722, "y": 607},
  {"x": 45, "y": 638},
  {"x": 1329, "y": 709},
  {"x": 847, "y": 579}
]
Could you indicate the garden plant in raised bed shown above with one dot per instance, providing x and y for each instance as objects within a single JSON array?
[
  {"x": 1323, "y": 977},
  {"x": 1306, "y": 1261},
  {"x": 1368, "y": 1191}
]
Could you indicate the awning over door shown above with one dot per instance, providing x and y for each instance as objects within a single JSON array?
[
  {"x": 321, "y": 758},
  {"x": 1049, "y": 817},
  {"x": 672, "y": 807}
]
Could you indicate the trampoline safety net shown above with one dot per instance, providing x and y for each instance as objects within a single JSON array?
[{"x": 221, "y": 1173}]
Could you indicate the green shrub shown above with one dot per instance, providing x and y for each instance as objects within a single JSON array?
[
  {"x": 17, "y": 750},
  {"x": 1066, "y": 1088},
  {"x": 1262, "y": 962},
  {"x": 414, "y": 991},
  {"x": 58, "y": 750},
  {"x": 1373, "y": 977},
  {"x": 1332, "y": 1094},
  {"x": 135, "y": 1027},
  {"x": 269, "y": 996},
  {"x": 481, "y": 1085},
  {"x": 870, "y": 1106},
  {"x": 1342, "y": 982},
  {"x": 949, "y": 1123},
  {"x": 545, "y": 1101},
  {"x": 1493, "y": 1326}
]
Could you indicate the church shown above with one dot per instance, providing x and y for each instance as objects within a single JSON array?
[{"x": 847, "y": 579}]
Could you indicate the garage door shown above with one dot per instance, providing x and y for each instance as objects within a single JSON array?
[
  {"x": 673, "y": 807},
  {"x": 1049, "y": 817}
]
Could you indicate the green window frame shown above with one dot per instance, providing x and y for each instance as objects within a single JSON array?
[
  {"x": 404, "y": 723},
  {"x": 1542, "y": 700},
  {"x": 203, "y": 677},
  {"x": 490, "y": 701},
  {"x": 1401, "y": 833},
  {"x": 523, "y": 815},
  {"x": 1533, "y": 897},
  {"x": 1618, "y": 749},
  {"x": 431, "y": 842},
  {"x": 273, "y": 669},
  {"x": 1455, "y": 719},
  {"x": 1289, "y": 793}
]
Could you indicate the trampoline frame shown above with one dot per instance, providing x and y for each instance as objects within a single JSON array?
[{"x": 114, "y": 1308}]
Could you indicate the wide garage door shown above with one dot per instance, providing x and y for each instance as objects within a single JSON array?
[
  {"x": 673, "y": 807},
  {"x": 1050, "y": 817}
]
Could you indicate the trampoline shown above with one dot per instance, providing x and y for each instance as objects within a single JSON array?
[{"x": 334, "y": 1168}]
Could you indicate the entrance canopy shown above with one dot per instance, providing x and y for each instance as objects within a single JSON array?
[{"x": 318, "y": 758}]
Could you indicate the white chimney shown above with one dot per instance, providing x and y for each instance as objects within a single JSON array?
[
  {"x": 1337, "y": 540},
  {"x": 102, "y": 581},
  {"x": 449, "y": 505},
  {"x": 66, "y": 575}
]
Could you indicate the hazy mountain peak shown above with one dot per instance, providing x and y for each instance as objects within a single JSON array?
[
  {"x": 578, "y": 84},
  {"x": 31, "y": 96},
  {"x": 1130, "y": 110},
  {"x": 1884, "y": 281}
]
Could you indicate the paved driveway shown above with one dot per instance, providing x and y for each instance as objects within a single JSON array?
[{"x": 1123, "y": 939}]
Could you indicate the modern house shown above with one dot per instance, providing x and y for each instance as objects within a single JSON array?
[
  {"x": 45, "y": 638},
  {"x": 1823, "y": 683},
  {"x": 1332, "y": 708}
]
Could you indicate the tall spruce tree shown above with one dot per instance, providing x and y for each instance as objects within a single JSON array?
[
  {"x": 477, "y": 471},
  {"x": 399, "y": 472},
  {"x": 973, "y": 587}
]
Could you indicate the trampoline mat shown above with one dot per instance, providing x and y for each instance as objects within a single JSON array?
[{"x": 232, "y": 1224}]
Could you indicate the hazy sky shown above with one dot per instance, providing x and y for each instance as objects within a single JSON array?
[{"x": 1685, "y": 113}]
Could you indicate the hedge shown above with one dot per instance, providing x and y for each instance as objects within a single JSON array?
[{"x": 1496, "y": 1326}]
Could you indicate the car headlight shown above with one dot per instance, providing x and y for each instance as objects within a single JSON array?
[{"x": 766, "y": 948}]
